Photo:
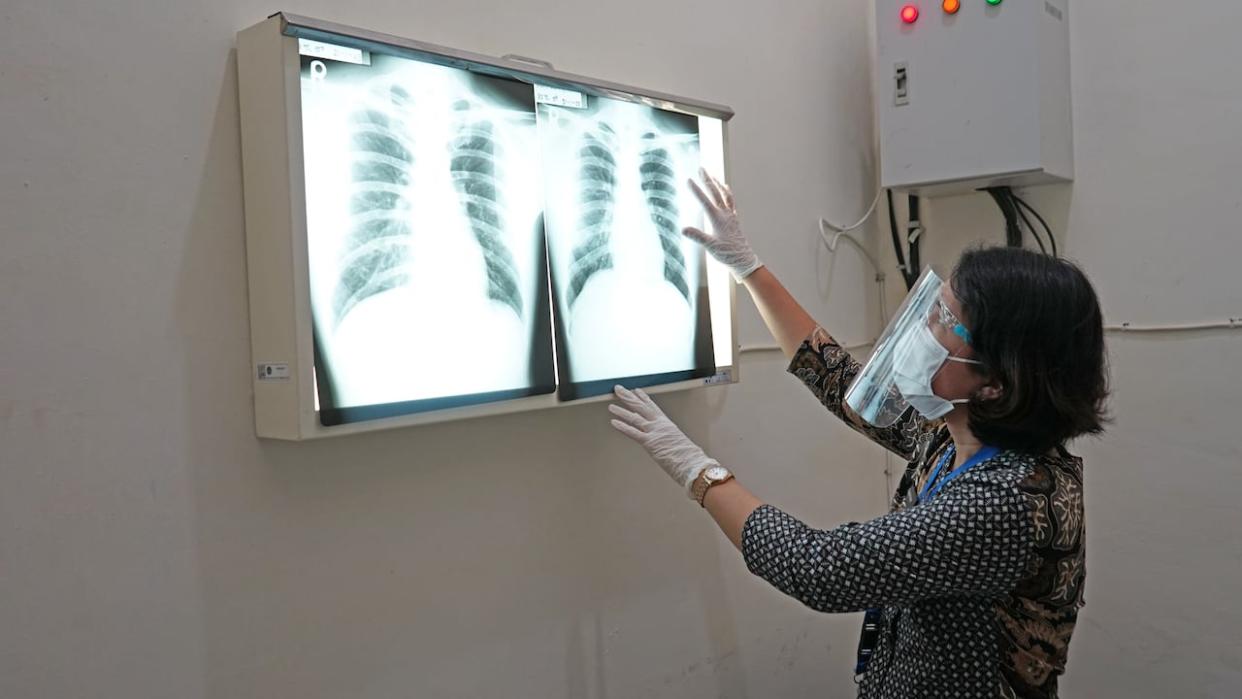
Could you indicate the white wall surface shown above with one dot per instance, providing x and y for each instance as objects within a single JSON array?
[{"x": 150, "y": 546}]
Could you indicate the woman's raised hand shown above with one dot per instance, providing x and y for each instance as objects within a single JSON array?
[{"x": 728, "y": 245}]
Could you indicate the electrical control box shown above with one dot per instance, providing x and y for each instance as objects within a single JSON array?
[{"x": 973, "y": 93}]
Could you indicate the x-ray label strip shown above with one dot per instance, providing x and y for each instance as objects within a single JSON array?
[
  {"x": 332, "y": 52},
  {"x": 558, "y": 97}
]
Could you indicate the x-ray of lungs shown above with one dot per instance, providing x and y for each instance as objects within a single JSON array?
[
  {"x": 630, "y": 290},
  {"x": 425, "y": 236}
]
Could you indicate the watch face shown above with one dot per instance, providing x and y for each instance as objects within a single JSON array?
[{"x": 715, "y": 473}]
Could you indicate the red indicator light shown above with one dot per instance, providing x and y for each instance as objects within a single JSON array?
[
  {"x": 952, "y": 6},
  {"x": 909, "y": 14}
]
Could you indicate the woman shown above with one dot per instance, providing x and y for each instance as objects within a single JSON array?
[{"x": 973, "y": 581}]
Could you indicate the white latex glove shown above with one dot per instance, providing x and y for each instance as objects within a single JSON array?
[
  {"x": 640, "y": 419},
  {"x": 728, "y": 245}
]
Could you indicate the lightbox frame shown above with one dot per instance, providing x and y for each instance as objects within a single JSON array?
[{"x": 281, "y": 325}]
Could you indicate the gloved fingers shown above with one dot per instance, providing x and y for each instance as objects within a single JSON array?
[
  {"x": 721, "y": 192},
  {"x": 627, "y": 397},
  {"x": 635, "y": 403},
  {"x": 699, "y": 236},
  {"x": 652, "y": 411},
  {"x": 629, "y": 417},
  {"x": 727, "y": 191},
  {"x": 714, "y": 209},
  {"x": 628, "y": 431},
  {"x": 631, "y": 401}
]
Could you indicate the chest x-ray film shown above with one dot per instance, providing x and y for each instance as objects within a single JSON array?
[
  {"x": 425, "y": 239},
  {"x": 630, "y": 289},
  {"x": 474, "y": 238}
]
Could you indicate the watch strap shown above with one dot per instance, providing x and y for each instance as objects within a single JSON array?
[{"x": 703, "y": 483}]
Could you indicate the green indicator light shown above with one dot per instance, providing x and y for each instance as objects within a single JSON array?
[{"x": 994, "y": 2}]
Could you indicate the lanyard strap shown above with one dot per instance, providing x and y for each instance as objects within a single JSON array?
[
  {"x": 931, "y": 488},
  {"x": 867, "y": 641},
  {"x": 874, "y": 617}
]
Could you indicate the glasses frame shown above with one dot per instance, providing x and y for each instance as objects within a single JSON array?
[{"x": 948, "y": 320}]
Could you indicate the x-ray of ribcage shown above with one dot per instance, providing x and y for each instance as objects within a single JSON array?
[
  {"x": 476, "y": 161},
  {"x": 424, "y": 232},
  {"x": 597, "y": 170},
  {"x": 660, "y": 180},
  {"x": 628, "y": 283},
  {"x": 376, "y": 254}
]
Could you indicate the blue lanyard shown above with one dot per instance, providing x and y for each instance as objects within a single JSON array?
[
  {"x": 871, "y": 623},
  {"x": 980, "y": 456},
  {"x": 870, "y": 636}
]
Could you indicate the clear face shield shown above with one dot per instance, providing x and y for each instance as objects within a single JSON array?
[{"x": 907, "y": 357}]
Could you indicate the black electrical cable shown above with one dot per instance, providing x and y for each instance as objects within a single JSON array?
[
  {"x": 892, "y": 225},
  {"x": 897, "y": 246},
  {"x": 1051, "y": 238},
  {"x": 1015, "y": 208},
  {"x": 1031, "y": 228},
  {"x": 1013, "y": 214},
  {"x": 914, "y": 235},
  {"x": 1008, "y": 202},
  {"x": 1013, "y": 234}
]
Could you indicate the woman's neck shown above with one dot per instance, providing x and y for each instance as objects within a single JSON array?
[{"x": 965, "y": 443}]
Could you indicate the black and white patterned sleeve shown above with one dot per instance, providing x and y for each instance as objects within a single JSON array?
[
  {"x": 975, "y": 538},
  {"x": 828, "y": 370}
]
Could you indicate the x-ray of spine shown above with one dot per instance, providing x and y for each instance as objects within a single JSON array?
[
  {"x": 424, "y": 231},
  {"x": 628, "y": 283}
]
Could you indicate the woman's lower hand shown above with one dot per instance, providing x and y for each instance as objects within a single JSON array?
[
  {"x": 638, "y": 417},
  {"x": 728, "y": 245}
]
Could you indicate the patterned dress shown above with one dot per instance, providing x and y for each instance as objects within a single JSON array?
[{"x": 980, "y": 587}]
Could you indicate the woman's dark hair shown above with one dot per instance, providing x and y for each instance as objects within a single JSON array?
[{"x": 1036, "y": 325}]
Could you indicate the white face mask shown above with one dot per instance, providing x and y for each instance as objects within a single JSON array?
[{"x": 916, "y": 366}]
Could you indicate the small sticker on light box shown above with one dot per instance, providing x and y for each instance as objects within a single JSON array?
[
  {"x": 725, "y": 376},
  {"x": 273, "y": 371}
]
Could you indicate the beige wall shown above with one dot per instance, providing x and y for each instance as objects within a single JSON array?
[{"x": 150, "y": 546}]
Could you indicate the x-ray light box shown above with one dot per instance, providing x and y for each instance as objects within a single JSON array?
[{"x": 435, "y": 235}]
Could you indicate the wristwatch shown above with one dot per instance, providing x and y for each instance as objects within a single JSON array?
[{"x": 714, "y": 475}]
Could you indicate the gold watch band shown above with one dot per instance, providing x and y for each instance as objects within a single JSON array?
[{"x": 706, "y": 480}]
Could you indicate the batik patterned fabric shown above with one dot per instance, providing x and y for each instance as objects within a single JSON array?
[{"x": 980, "y": 587}]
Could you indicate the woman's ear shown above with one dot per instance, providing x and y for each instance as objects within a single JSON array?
[{"x": 991, "y": 391}]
